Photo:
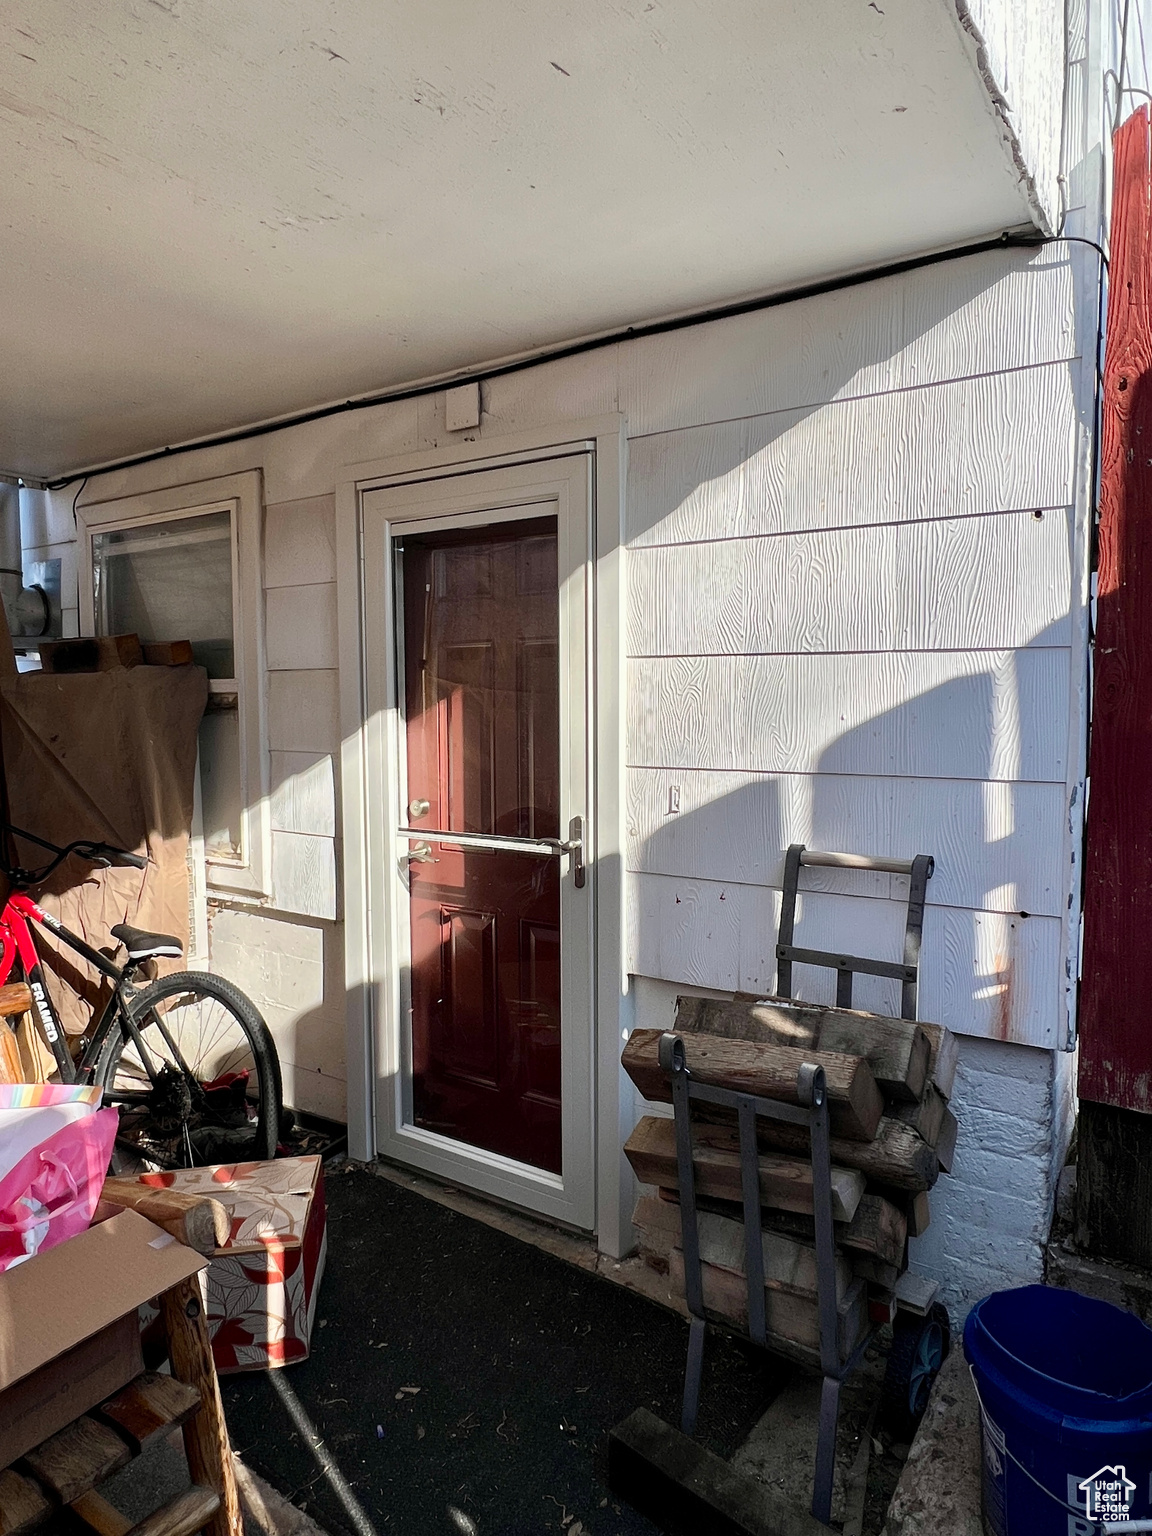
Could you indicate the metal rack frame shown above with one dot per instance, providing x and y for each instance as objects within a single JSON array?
[{"x": 810, "y": 1111}]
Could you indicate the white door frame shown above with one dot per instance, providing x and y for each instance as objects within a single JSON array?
[
  {"x": 370, "y": 976},
  {"x": 560, "y": 488}
]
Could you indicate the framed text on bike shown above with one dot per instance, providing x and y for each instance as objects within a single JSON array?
[{"x": 182, "y": 564}]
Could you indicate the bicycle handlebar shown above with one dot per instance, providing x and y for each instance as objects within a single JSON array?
[
  {"x": 118, "y": 856},
  {"x": 104, "y": 855}
]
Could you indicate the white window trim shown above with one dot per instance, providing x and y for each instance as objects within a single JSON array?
[{"x": 242, "y": 495}]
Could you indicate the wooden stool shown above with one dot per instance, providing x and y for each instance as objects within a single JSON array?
[{"x": 68, "y": 1468}]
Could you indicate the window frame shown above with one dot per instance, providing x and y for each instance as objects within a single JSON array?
[{"x": 241, "y": 496}]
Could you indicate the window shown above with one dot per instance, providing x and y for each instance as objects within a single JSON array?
[{"x": 170, "y": 565}]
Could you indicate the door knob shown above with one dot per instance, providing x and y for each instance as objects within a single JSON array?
[
  {"x": 421, "y": 853},
  {"x": 418, "y": 808}
]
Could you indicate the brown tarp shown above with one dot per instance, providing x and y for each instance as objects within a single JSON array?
[{"x": 111, "y": 757}]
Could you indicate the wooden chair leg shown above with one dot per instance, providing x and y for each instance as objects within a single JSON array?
[{"x": 205, "y": 1434}]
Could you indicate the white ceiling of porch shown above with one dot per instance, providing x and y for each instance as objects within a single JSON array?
[{"x": 217, "y": 211}]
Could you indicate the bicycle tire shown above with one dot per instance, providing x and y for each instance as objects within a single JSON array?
[{"x": 265, "y": 1130}]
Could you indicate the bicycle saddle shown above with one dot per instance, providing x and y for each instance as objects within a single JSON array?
[{"x": 143, "y": 946}]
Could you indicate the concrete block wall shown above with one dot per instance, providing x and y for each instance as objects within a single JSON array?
[{"x": 990, "y": 1216}]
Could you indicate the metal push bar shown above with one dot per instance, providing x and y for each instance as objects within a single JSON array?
[
  {"x": 422, "y": 839},
  {"x": 919, "y": 870},
  {"x": 812, "y": 1112}
]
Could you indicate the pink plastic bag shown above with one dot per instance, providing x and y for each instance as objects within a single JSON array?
[{"x": 51, "y": 1193}]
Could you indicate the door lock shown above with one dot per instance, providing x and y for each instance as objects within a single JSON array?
[{"x": 417, "y": 808}]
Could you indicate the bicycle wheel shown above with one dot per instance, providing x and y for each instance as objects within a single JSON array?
[{"x": 215, "y": 1095}]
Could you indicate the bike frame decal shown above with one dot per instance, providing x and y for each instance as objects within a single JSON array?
[
  {"x": 16, "y": 936},
  {"x": 16, "y": 940}
]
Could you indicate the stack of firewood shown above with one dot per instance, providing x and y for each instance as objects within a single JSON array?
[{"x": 888, "y": 1082}]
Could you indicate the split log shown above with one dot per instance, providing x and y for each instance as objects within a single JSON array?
[
  {"x": 918, "y": 1215},
  {"x": 795, "y": 1319},
  {"x": 37, "y": 1062},
  {"x": 914, "y": 1207},
  {"x": 946, "y": 1145},
  {"x": 896, "y": 1050},
  {"x": 789, "y": 1264},
  {"x": 149, "y": 1408},
  {"x": 75, "y": 1460},
  {"x": 23, "y": 1505},
  {"x": 875, "y": 1271},
  {"x": 768, "y": 1071},
  {"x": 16, "y": 997},
  {"x": 197, "y": 1220},
  {"x": 944, "y": 1057},
  {"x": 785, "y": 1182},
  {"x": 10, "y": 1068},
  {"x": 876, "y": 1230},
  {"x": 896, "y": 1156},
  {"x": 926, "y": 1117}
]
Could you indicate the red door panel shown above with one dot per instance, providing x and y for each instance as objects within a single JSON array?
[{"x": 481, "y": 689}]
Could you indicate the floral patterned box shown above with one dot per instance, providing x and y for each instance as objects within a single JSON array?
[{"x": 263, "y": 1284}]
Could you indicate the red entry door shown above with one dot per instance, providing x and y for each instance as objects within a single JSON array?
[{"x": 480, "y": 632}]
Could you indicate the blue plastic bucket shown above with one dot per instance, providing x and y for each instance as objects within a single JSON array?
[{"x": 1065, "y": 1386}]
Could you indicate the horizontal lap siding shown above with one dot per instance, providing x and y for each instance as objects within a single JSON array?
[
  {"x": 994, "y": 974},
  {"x": 993, "y": 842},
  {"x": 943, "y": 450},
  {"x": 927, "y": 714},
  {"x": 850, "y": 575},
  {"x": 984, "y": 315},
  {"x": 901, "y": 587}
]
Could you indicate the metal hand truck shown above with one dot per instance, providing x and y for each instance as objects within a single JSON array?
[
  {"x": 812, "y": 1112},
  {"x": 919, "y": 872}
]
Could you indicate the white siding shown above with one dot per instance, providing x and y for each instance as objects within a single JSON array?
[
  {"x": 303, "y": 735},
  {"x": 852, "y": 585},
  {"x": 292, "y": 971},
  {"x": 992, "y": 582},
  {"x": 993, "y": 841},
  {"x": 846, "y": 627},
  {"x": 927, "y": 714},
  {"x": 902, "y": 457}
]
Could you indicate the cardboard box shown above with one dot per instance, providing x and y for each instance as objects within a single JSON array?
[
  {"x": 263, "y": 1284},
  {"x": 69, "y": 1324}
]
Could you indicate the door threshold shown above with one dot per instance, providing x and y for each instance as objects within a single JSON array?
[{"x": 562, "y": 1242}]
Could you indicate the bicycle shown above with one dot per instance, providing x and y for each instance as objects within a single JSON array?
[{"x": 187, "y": 1059}]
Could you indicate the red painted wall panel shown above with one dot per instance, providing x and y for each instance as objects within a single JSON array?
[{"x": 1116, "y": 992}]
